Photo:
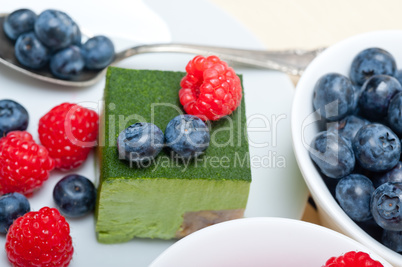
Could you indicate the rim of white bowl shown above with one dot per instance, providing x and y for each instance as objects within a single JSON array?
[
  {"x": 313, "y": 179},
  {"x": 237, "y": 224}
]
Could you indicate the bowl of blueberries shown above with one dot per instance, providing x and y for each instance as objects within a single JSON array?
[{"x": 346, "y": 130}]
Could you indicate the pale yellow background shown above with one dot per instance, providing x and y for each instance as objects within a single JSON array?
[{"x": 283, "y": 24}]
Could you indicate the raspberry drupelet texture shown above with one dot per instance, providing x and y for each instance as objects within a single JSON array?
[
  {"x": 69, "y": 131},
  {"x": 40, "y": 238},
  {"x": 24, "y": 165},
  {"x": 211, "y": 89},
  {"x": 353, "y": 259}
]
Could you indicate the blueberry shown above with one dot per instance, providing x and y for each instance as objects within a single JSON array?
[
  {"x": 140, "y": 142},
  {"x": 395, "y": 114},
  {"x": 98, "y": 52},
  {"x": 18, "y": 22},
  {"x": 77, "y": 36},
  {"x": 348, "y": 126},
  {"x": 30, "y": 52},
  {"x": 334, "y": 96},
  {"x": 369, "y": 62},
  {"x": 376, "y": 96},
  {"x": 13, "y": 116},
  {"x": 187, "y": 135},
  {"x": 55, "y": 29},
  {"x": 357, "y": 90},
  {"x": 67, "y": 63},
  {"x": 353, "y": 193},
  {"x": 392, "y": 240},
  {"x": 12, "y": 206},
  {"x": 376, "y": 147},
  {"x": 393, "y": 175},
  {"x": 386, "y": 206},
  {"x": 74, "y": 195},
  {"x": 332, "y": 154}
]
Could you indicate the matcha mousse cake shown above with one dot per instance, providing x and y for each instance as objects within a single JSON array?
[{"x": 169, "y": 198}]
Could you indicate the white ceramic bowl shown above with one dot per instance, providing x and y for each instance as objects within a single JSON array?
[
  {"x": 260, "y": 241},
  {"x": 336, "y": 58}
]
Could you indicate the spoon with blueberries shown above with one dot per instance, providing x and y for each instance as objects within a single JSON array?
[{"x": 49, "y": 47}]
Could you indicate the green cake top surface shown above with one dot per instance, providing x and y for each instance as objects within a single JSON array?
[{"x": 152, "y": 96}]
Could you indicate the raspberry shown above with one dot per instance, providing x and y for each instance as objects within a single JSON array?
[
  {"x": 211, "y": 89},
  {"x": 24, "y": 165},
  {"x": 69, "y": 131},
  {"x": 40, "y": 238},
  {"x": 353, "y": 259}
]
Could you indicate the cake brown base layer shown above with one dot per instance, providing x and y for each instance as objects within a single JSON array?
[{"x": 194, "y": 221}]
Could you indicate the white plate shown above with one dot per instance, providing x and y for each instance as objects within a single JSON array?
[
  {"x": 278, "y": 188},
  {"x": 260, "y": 242}
]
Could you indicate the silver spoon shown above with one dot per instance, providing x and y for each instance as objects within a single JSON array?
[{"x": 292, "y": 62}]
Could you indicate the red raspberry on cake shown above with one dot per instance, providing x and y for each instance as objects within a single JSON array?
[
  {"x": 211, "y": 89},
  {"x": 24, "y": 165},
  {"x": 40, "y": 238},
  {"x": 69, "y": 131},
  {"x": 353, "y": 259}
]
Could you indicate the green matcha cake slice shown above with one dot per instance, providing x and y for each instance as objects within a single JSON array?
[{"x": 170, "y": 198}]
